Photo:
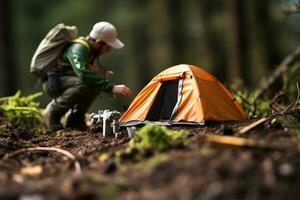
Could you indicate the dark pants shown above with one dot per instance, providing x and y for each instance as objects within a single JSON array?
[{"x": 74, "y": 95}]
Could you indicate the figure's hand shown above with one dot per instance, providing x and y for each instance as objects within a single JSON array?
[{"x": 122, "y": 90}]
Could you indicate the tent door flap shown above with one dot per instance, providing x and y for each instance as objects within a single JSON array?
[
  {"x": 179, "y": 97},
  {"x": 166, "y": 101}
]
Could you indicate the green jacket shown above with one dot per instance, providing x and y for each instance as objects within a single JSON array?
[{"x": 80, "y": 57}]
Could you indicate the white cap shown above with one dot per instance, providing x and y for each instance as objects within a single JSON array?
[{"x": 107, "y": 33}]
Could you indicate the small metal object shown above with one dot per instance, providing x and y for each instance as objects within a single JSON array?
[
  {"x": 108, "y": 119},
  {"x": 106, "y": 125},
  {"x": 131, "y": 131},
  {"x": 116, "y": 134},
  {"x": 115, "y": 125}
]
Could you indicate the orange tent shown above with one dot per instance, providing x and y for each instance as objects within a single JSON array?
[{"x": 183, "y": 93}]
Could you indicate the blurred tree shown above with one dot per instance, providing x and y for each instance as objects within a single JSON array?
[
  {"x": 213, "y": 46},
  {"x": 263, "y": 53},
  {"x": 267, "y": 27},
  {"x": 141, "y": 42},
  {"x": 235, "y": 36},
  {"x": 160, "y": 49},
  {"x": 7, "y": 51},
  {"x": 178, "y": 31}
]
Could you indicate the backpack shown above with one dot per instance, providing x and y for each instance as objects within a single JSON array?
[{"x": 47, "y": 54}]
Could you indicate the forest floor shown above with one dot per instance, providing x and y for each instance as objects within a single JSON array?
[{"x": 264, "y": 165}]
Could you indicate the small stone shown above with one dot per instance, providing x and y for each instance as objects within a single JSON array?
[
  {"x": 213, "y": 191},
  {"x": 110, "y": 167},
  {"x": 286, "y": 170},
  {"x": 273, "y": 121},
  {"x": 190, "y": 135},
  {"x": 226, "y": 130}
]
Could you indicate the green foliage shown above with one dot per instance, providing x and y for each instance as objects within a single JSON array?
[
  {"x": 289, "y": 121},
  {"x": 251, "y": 105},
  {"x": 261, "y": 107},
  {"x": 22, "y": 112},
  {"x": 292, "y": 122},
  {"x": 156, "y": 139}
]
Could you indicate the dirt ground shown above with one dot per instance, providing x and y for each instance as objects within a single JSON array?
[{"x": 269, "y": 168}]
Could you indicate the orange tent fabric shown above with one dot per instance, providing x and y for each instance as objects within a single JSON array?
[{"x": 201, "y": 97}]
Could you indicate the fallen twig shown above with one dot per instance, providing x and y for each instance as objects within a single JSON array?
[
  {"x": 230, "y": 140},
  {"x": 64, "y": 152},
  {"x": 246, "y": 142},
  {"x": 295, "y": 104},
  {"x": 251, "y": 126},
  {"x": 291, "y": 106},
  {"x": 275, "y": 99}
]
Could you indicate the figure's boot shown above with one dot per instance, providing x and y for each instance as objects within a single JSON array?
[
  {"x": 52, "y": 118},
  {"x": 75, "y": 120}
]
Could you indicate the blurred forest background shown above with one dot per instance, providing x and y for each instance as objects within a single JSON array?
[{"x": 238, "y": 41}]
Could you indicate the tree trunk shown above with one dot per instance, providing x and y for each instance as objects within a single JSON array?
[
  {"x": 234, "y": 39},
  {"x": 177, "y": 30},
  {"x": 268, "y": 27},
  {"x": 9, "y": 77},
  {"x": 213, "y": 46},
  {"x": 141, "y": 44}
]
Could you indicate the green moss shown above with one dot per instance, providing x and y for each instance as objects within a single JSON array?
[
  {"x": 150, "y": 163},
  {"x": 109, "y": 190},
  {"x": 289, "y": 121},
  {"x": 207, "y": 152},
  {"x": 292, "y": 122},
  {"x": 156, "y": 139},
  {"x": 112, "y": 189},
  {"x": 23, "y": 112},
  {"x": 149, "y": 141},
  {"x": 297, "y": 133}
]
